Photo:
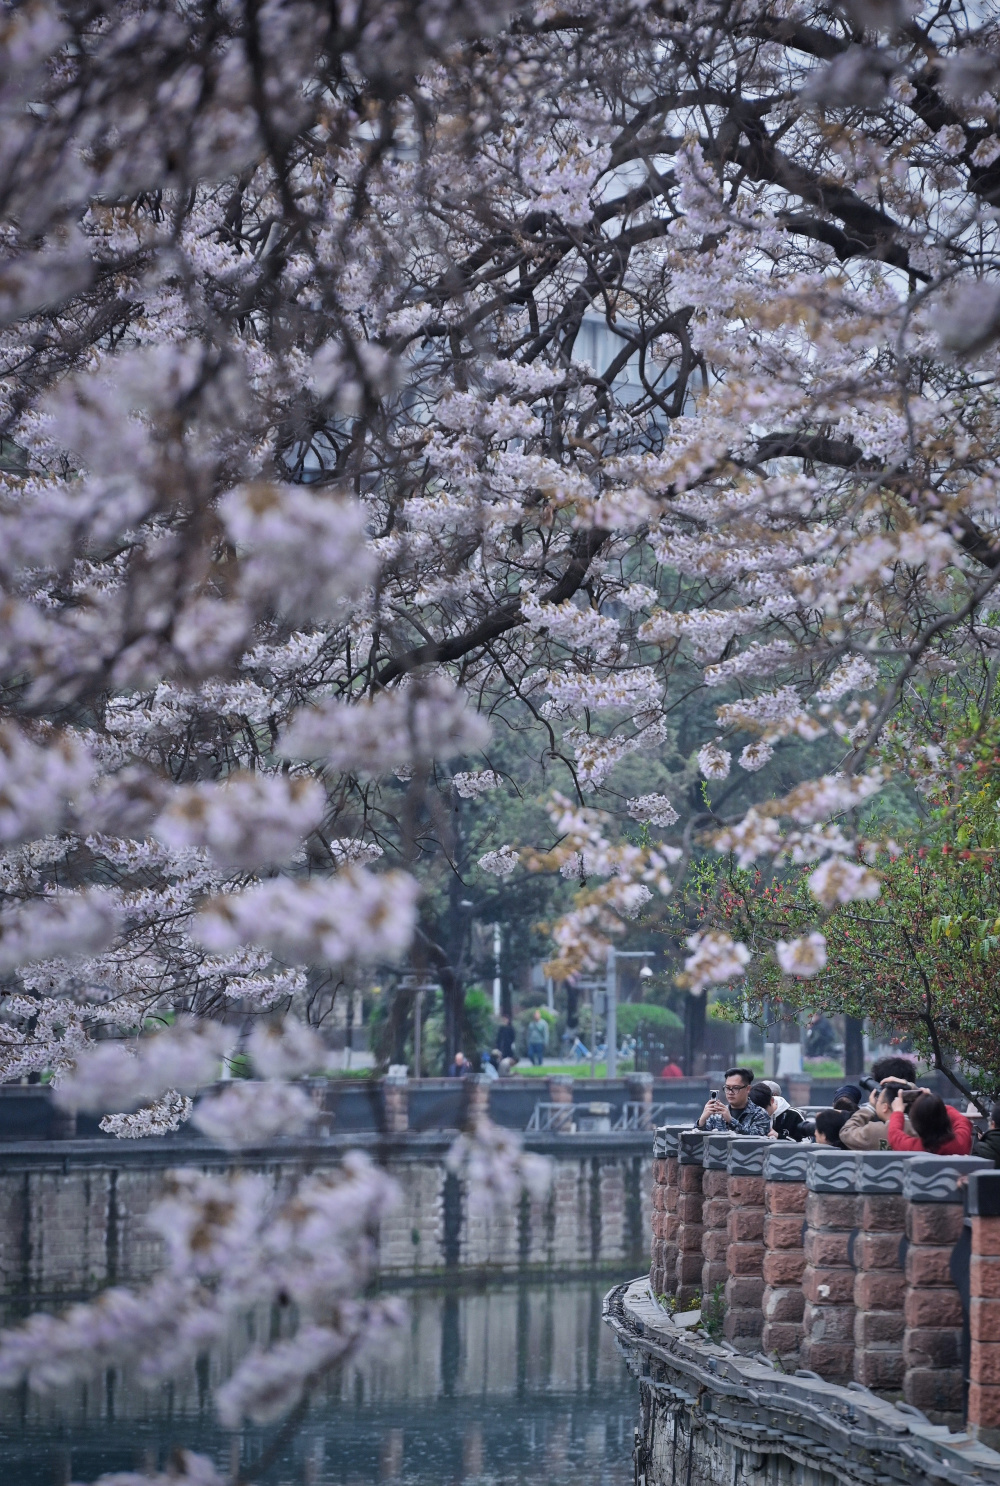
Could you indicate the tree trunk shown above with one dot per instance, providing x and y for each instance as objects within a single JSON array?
[
  {"x": 854, "y": 1046},
  {"x": 694, "y": 1036}
]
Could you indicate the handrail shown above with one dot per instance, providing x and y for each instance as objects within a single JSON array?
[
  {"x": 637, "y": 1115},
  {"x": 551, "y": 1117}
]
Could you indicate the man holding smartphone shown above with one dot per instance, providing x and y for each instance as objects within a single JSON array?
[{"x": 736, "y": 1114}]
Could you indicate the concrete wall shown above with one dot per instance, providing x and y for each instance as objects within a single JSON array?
[
  {"x": 71, "y": 1214},
  {"x": 357, "y": 1106}
]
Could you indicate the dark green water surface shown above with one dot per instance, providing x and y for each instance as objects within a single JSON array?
[{"x": 514, "y": 1386}]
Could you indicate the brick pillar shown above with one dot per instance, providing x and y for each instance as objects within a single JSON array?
[
  {"x": 396, "y": 1105},
  {"x": 689, "y": 1216},
  {"x": 715, "y": 1211},
  {"x": 828, "y": 1279},
  {"x": 932, "y": 1340},
  {"x": 663, "y": 1249},
  {"x": 984, "y": 1308},
  {"x": 672, "y": 1220},
  {"x": 477, "y": 1098},
  {"x": 744, "y": 1320},
  {"x": 639, "y": 1090},
  {"x": 879, "y": 1283},
  {"x": 784, "y": 1257}
]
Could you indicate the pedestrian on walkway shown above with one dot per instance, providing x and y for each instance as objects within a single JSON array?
[
  {"x": 505, "y": 1037},
  {"x": 538, "y": 1038}
]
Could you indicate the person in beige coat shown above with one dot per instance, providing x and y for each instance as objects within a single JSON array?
[{"x": 868, "y": 1128}]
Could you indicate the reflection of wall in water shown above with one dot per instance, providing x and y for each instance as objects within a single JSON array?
[
  {"x": 514, "y": 1342},
  {"x": 505, "y": 1342}
]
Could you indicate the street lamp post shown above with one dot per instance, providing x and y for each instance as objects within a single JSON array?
[
  {"x": 418, "y": 1006},
  {"x": 611, "y": 994},
  {"x": 497, "y": 977},
  {"x": 590, "y": 986}
]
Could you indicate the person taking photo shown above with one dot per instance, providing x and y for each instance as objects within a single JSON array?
[{"x": 736, "y": 1114}]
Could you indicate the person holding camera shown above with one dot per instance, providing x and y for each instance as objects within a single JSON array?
[
  {"x": 867, "y": 1129},
  {"x": 737, "y": 1113},
  {"x": 938, "y": 1129}
]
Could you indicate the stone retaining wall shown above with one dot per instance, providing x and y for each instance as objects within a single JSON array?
[
  {"x": 710, "y": 1416},
  {"x": 72, "y": 1216}
]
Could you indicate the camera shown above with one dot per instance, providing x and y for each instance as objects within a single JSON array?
[{"x": 867, "y": 1083}]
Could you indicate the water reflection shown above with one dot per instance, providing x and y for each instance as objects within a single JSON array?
[{"x": 518, "y": 1385}]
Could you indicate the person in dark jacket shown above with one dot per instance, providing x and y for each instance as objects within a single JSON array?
[
  {"x": 829, "y": 1123},
  {"x": 505, "y": 1038},
  {"x": 790, "y": 1125},
  {"x": 988, "y": 1146},
  {"x": 786, "y": 1123},
  {"x": 821, "y": 1040}
]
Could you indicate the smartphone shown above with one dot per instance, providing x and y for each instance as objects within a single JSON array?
[{"x": 713, "y": 1094}]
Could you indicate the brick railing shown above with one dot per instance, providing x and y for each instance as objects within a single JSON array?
[
  {"x": 984, "y": 1307},
  {"x": 690, "y": 1217},
  {"x": 838, "y": 1262},
  {"x": 828, "y": 1281},
  {"x": 879, "y": 1281},
  {"x": 744, "y": 1317},
  {"x": 715, "y": 1220},
  {"x": 783, "y": 1301}
]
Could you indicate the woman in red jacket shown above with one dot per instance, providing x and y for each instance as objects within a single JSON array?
[{"x": 940, "y": 1130}]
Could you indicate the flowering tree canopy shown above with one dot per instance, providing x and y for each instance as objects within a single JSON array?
[
  {"x": 921, "y": 960},
  {"x": 375, "y": 371},
  {"x": 372, "y": 371}
]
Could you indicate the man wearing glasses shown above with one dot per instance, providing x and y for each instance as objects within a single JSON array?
[{"x": 736, "y": 1114}]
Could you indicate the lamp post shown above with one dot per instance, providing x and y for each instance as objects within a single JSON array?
[
  {"x": 611, "y": 993},
  {"x": 418, "y": 1006},
  {"x": 590, "y": 986},
  {"x": 497, "y": 977}
]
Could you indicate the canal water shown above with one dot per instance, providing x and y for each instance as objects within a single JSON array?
[{"x": 518, "y": 1385}]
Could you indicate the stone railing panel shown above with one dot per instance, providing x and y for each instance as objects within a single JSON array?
[
  {"x": 932, "y": 1340},
  {"x": 715, "y": 1213},
  {"x": 690, "y": 1225},
  {"x": 879, "y": 1281},
  {"x": 663, "y": 1249},
  {"x": 828, "y": 1279},
  {"x": 784, "y": 1262},
  {"x": 744, "y": 1295}
]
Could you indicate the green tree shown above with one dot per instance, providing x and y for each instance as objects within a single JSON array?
[{"x": 924, "y": 957}]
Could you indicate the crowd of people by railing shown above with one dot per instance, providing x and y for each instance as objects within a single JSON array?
[{"x": 884, "y": 1110}]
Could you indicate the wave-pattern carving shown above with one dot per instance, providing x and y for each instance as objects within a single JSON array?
[
  {"x": 832, "y": 1171},
  {"x": 881, "y": 1172},
  {"x": 935, "y": 1178},
  {"x": 785, "y": 1162},
  {"x": 692, "y": 1148}
]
